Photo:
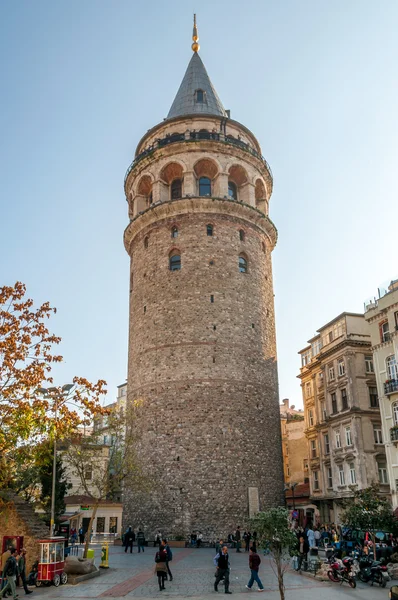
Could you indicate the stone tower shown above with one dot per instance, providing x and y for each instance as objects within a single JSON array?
[{"x": 202, "y": 369}]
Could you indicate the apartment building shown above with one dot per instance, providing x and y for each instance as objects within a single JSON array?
[
  {"x": 296, "y": 464},
  {"x": 342, "y": 417},
  {"x": 382, "y": 317}
]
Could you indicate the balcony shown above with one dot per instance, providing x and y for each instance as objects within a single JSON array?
[
  {"x": 394, "y": 434},
  {"x": 192, "y": 136},
  {"x": 391, "y": 387}
]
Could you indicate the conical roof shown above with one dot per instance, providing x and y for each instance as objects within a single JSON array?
[{"x": 185, "y": 102}]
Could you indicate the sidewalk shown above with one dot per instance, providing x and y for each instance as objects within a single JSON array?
[{"x": 132, "y": 576}]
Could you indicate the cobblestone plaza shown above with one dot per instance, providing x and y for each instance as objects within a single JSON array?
[{"x": 132, "y": 576}]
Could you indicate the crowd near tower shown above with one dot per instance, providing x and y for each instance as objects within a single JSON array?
[{"x": 202, "y": 369}]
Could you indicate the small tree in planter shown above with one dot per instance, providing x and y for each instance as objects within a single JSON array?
[{"x": 273, "y": 529}]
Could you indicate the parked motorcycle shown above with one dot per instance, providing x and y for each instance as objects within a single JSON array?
[
  {"x": 342, "y": 570},
  {"x": 373, "y": 571}
]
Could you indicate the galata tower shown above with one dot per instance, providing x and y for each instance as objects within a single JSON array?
[{"x": 202, "y": 367}]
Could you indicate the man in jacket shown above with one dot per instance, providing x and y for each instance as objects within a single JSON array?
[
  {"x": 22, "y": 570},
  {"x": 222, "y": 564},
  {"x": 303, "y": 548},
  {"x": 254, "y": 564},
  {"x": 10, "y": 572},
  {"x": 4, "y": 557},
  {"x": 141, "y": 540},
  {"x": 129, "y": 538},
  {"x": 237, "y": 539},
  {"x": 165, "y": 546}
]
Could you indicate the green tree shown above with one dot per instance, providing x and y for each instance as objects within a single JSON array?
[
  {"x": 273, "y": 530},
  {"x": 62, "y": 485},
  {"x": 369, "y": 511}
]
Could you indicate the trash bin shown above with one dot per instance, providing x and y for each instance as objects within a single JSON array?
[{"x": 90, "y": 553}]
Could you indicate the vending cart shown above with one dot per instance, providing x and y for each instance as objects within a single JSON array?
[{"x": 52, "y": 562}]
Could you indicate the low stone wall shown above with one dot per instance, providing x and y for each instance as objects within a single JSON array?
[{"x": 17, "y": 517}]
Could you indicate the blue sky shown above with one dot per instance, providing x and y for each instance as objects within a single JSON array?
[{"x": 82, "y": 81}]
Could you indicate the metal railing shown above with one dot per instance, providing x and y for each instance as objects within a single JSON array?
[
  {"x": 394, "y": 434},
  {"x": 194, "y": 136},
  {"x": 390, "y": 387}
]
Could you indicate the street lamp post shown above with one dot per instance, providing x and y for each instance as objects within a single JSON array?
[{"x": 55, "y": 393}]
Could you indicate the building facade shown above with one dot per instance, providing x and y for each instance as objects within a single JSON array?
[
  {"x": 296, "y": 465},
  {"x": 202, "y": 369},
  {"x": 343, "y": 423},
  {"x": 382, "y": 316}
]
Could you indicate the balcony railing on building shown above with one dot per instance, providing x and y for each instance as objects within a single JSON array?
[
  {"x": 394, "y": 434},
  {"x": 391, "y": 386}
]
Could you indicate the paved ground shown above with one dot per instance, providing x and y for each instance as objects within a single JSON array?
[{"x": 131, "y": 576}]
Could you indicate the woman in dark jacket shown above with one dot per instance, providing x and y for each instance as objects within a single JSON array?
[{"x": 161, "y": 567}]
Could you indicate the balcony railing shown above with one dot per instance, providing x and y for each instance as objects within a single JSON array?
[
  {"x": 390, "y": 387},
  {"x": 394, "y": 434},
  {"x": 193, "y": 136}
]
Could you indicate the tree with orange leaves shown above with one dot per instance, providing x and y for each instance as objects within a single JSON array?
[{"x": 27, "y": 412}]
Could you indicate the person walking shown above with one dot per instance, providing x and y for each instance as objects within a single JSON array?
[
  {"x": 160, "y": 567},
  {"x": 199, "y": 539},
  {"x": 22, "y": 571},
  {"x": 238, "y": 538},
  {"x": 10, "y": 572},
  {"x": 317, "y": 537},
  {"x": 254, "y": 541},
  {"x": 219, "y": 546},
  {"x": 169, "y": 558},
  {"x": 129, "y": 538},
  {"x": 303, "y": 548},
  {"x": 81, "y": 535},
  {"x": 221, "y": 562},
  {"x": 4, "y": 557},
  {"x": 311, "y": 537},
  {"x": 141, "y": 540},
  {"x": 158, "y": 539},
  {"x": 254, "y": 565}
]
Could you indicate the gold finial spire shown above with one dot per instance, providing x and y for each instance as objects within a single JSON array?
[{"x": 195, "y": 37}]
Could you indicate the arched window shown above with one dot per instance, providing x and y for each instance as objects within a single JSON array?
[
  {"x": 241, "y": 235},
  {"x": 174, "y": 261},
  {"x": 204, "y": 186},
  {"x": 199, "y": 96},
  {"x": 392, "y": 368},
  {"x": 209, "y": 229},
  {"x": 146, "y": 242},
  {"x": 174, "y": 232},
  {"x": 232, "y": 190},
  {"x": 395, "y": 413},
  {"x": 176, "y": 189},
  {"x": 242, "y": 264}
]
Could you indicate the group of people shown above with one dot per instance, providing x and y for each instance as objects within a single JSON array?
[
  {"x": 249, "y": 539},
  {"x": 163, "y": 557},
  {"x": 74, "y": 533},
  {"x": 222, "y": 564},
  {"x": 129, "y": 538},
  {"x": 13, "y": 572},
  {"x": 196, "y": 539}
]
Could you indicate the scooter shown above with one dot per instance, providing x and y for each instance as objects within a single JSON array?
[
  {"x": 373, "y": 571},
  {"x": 342, "y": 570}
]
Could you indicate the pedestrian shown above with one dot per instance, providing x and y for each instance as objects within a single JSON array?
[
  {"x": 219, "y": 546},
  {"x": 247, "y": 540},
  {"x": 317, "y": 536},
  {"x": 238, "y": 538},
  {"x": 254, "y": 541},
  {"x": 141, "y": 540},
  {"x": 10, "y": 573},
  {"x": 303, "y": 548},
  {"x": 169, "y": 558},
  {"x": 129, "y": 538},
  {"x": 158, "y": 539},
  {"x": 4, "y": 557},
  {"x": 22, "y": 570},
  {"x": 254, "y": 565},
  {"x": 199, "y": 539},
  {"x": 81, "y": 535},
  {"x": 221, "y": 562},
  {"x": 160, "y": 566},
  {"x": 310, "y": 537}
]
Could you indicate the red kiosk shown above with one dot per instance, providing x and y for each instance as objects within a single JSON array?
[{"x": 52, "y": 562}]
